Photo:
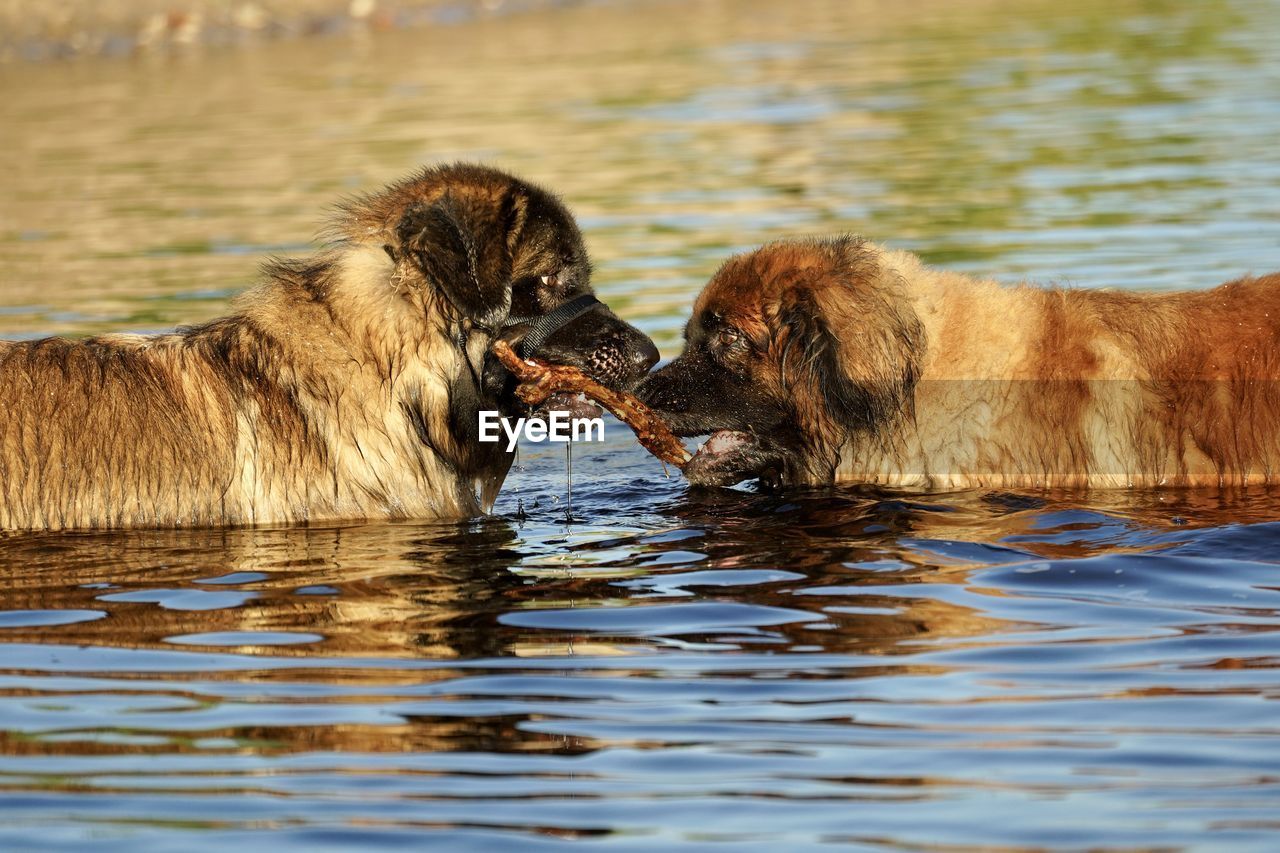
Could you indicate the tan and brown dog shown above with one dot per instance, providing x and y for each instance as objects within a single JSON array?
[
  {"x": 838, "y": 360},
  {"x": 345, "y": 386}
]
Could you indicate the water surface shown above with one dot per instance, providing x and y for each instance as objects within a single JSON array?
[{"x": 721, "y": 670}]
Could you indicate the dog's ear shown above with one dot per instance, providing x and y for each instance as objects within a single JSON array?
[
  {"x": 853, "y": 366},
  {"x": 463, "y": 246},
  {"x": 812, "y": 371}
]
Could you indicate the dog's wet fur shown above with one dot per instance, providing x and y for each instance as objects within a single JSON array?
[
  {"x": 837, "y": 360},
  {"x": 344, "y": 386}
]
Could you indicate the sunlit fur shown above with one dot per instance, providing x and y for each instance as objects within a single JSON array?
[
  {"x": 329, "y": 393},
  {"x": 941, "y": 380}
]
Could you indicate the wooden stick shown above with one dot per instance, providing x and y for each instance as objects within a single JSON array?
[{"x": 538, "y": 381}]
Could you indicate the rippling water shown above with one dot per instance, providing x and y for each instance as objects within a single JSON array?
[{"x": 707, "y": 670}]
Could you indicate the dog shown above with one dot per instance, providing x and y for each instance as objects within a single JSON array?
[
  {"x": 345, "y": 386},
  {"x": 811, "y": 362}
]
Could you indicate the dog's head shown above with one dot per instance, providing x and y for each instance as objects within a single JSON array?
[
  {"x": 792, "y": 351},
  {"x": 503, "y": 258}
]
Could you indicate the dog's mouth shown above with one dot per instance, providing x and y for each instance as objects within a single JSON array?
[
  {"x": 730, "y": 456},
  {"x": 503, "y": 386}
]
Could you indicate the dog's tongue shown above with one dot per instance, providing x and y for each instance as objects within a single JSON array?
[{"x": 576, "y": 405}]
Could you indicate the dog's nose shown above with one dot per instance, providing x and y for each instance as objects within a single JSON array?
[{"x": 644, "y": 357}]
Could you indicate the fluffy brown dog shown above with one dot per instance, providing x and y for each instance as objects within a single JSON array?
[
  {"x": 345, "y": 386},
  {"x": 839, "y": 360}
]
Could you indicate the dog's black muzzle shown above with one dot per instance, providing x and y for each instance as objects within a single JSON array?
[
  {"x": 584, "y": 333},
  {"x": 546, "y": 325}
]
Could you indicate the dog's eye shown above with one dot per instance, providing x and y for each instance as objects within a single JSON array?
[
  {"x": 551, "y": 280},
  {"x": 728, "y": 337}
]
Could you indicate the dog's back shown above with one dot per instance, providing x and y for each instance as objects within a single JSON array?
[
  {"x": 1208, "y": 367},
  {"x": 107, "y": 431},
  {"x": 1087, "y": 388},
  {"x": 221, "y": 424}
]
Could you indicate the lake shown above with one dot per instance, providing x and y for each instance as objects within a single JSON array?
[{"x": 662, "y": 668}]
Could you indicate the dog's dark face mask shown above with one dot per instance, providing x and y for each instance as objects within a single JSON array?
[
  {"x": 716, "y": 388},
  {"x": 510, "y": 262},
  {"x": 554, "y": 315}
]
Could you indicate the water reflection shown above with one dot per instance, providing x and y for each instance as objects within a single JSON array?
[
  {"x": 804, "y": 656},
  {"x": 845, "y": 571}
]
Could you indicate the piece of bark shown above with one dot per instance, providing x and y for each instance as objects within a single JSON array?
[{"x": 539, "y": 380}]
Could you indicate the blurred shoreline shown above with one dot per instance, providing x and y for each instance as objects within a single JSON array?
[{"x": 37, "y": 30}]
